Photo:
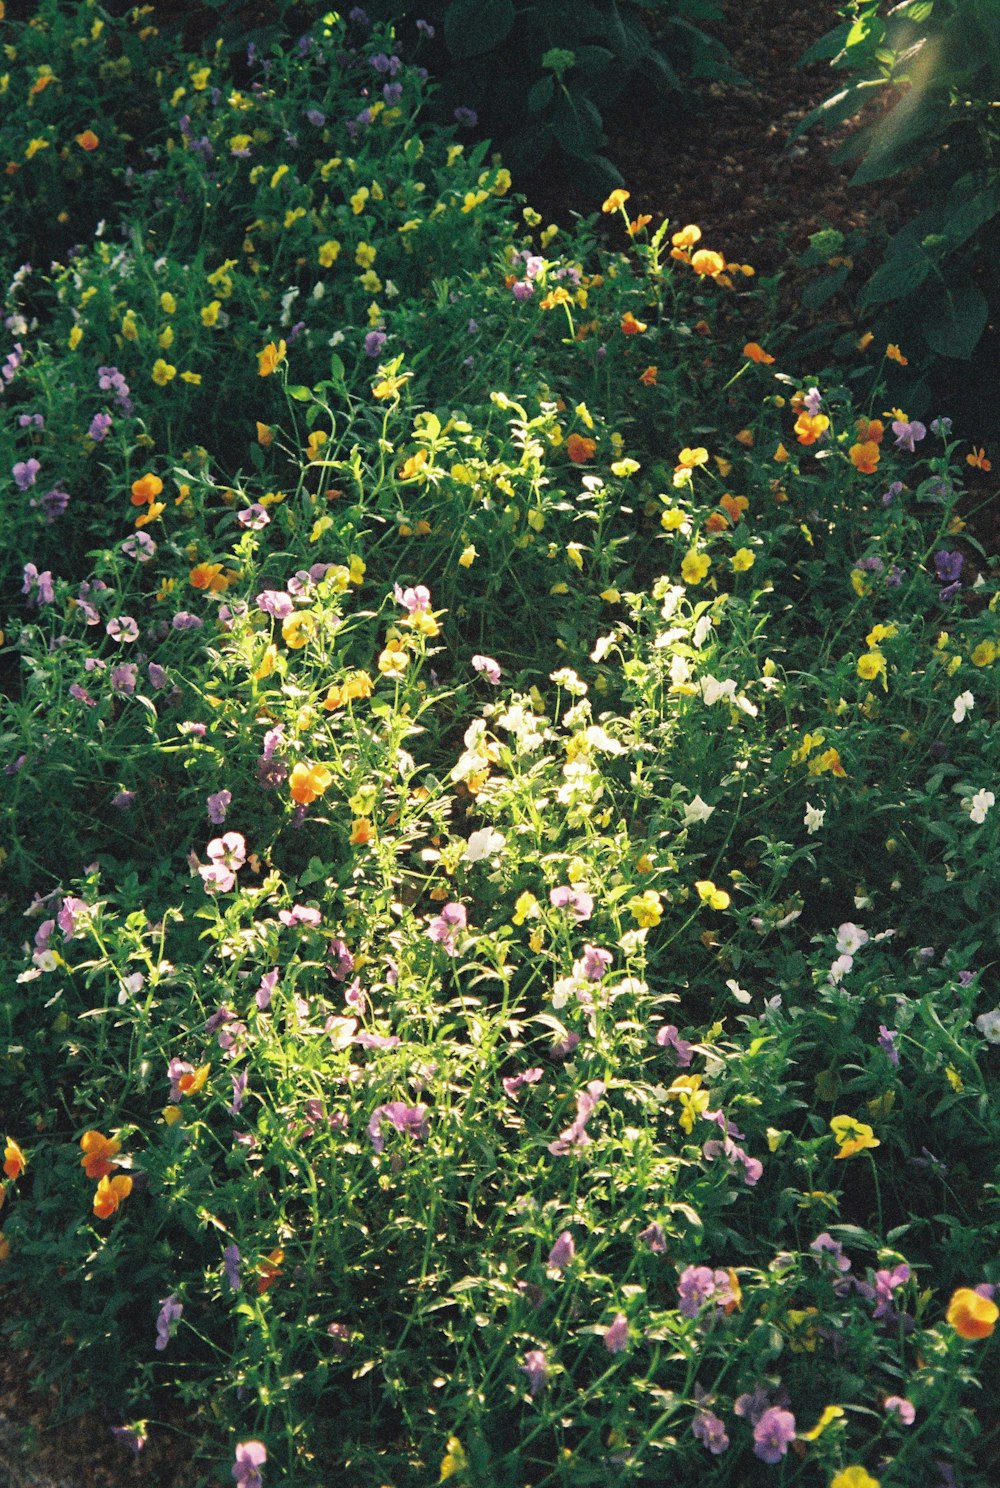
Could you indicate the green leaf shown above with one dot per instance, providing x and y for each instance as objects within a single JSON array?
[
  {"x": 824, "y": 288},
  {"x": 903, "y": 272},
  {"x": 299, "y": 393},
  {"x": 540, "y": 95},
  {"x": 472, "y": 27},
  {"x": 953, "y": 322},
  {"x": 576, "y": 125}
]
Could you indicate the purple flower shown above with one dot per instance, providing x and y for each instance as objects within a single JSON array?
[
  {"x": 231, "y": 1257},
  {"x": 392, "y": 93},
  {"x": 653, "y": 1236},
  {"x": 948, "y": 567},
  {"x": 514, "y": 1084},
  {"x": 901, "y": 1408},
  {"x": 908, "y": 434},
  {"x": 99, "y": 426},
  {"x": 489, "y": 668},
  {"x": 812, "y": 402},
  {"x": 466, "y": 118},
  {"x": 562, "y": 1252},
  {"x": 682, "y": 1049},
  {"x": 184, "y": 620},
  {"x": 25, "y": 473},
  {"x": 122, "y": 628},
  {"x": 824, "y": 1245},
  {"x": 412, "y": 600},
  {"x": 772, "y": 1434},
  {"x": 536, "y": 1367},
  {"x": 887, "y": 1042},
  {"x": 577, "y": 901},
  {"x": 124, "y": 678},
  {"x": 123, "y": 800},
  {"x": 445, "y": 927},
  {"x": 239, "y": 1091},
  {"x": 170, "y": 1312},
  {"x": 410, "y": 1120},
  {"x": 275, "y": 602},
  {"x": 316, "y": 117},
  {"x": 426, "y": 29},
  {"x": 132, "y": 1437},
  {"x": 82, "y": 695},
  {"x": 254, "y": 517},
  {"x": 157, "y": 676},
  {"x": 886, "y": 1282},
  {"x": 300, "y": 914},
  {"x": 752, "y": 1406},
  {"x": 710, "y": 1431},
  {"x": 575, "y": 1134},
  {"x": 71, "y": 912},
  {"x": 250, "y": 1458},
  {"x": 140, "y": 546},
  {"x": 698, "y": 1285},
  {"x": 52, "y": 504},
  {"x": 522, "y": 290},
  {"x": 894, "y": 490},
  {"x": 374, "y": 341},
  {"x": 40, "y": 582},
  {"x": 342, "y": 963},
  {"x": 265, "y": 991},
  {"x": 941, "y": 426},
  {"x": 616, "y": 1338}
]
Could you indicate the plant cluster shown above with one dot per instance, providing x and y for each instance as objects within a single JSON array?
[{"x": 499, "y": 823}]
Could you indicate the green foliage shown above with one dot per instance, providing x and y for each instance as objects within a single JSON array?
[
  {"x": 933, "y": 69},
  {"x": 541, "y": 76}
]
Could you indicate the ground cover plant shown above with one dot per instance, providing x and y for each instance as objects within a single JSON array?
[{"x": 499, "y": 819}]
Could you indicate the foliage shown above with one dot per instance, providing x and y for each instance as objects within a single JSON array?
[
  {"x": 497, "y": 826},
  {"x": 540, "y": 77},
  {"x": 933, "y": 69}
]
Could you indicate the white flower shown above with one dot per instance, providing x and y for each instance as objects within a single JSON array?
[
  {"x": 840, "y": 968},
  {"x": 964, "y": 704},
  {"x": 981, "y": 803},
  {"x": 989, "y": 1026},
  {"x": 813, "y": 819},
  {"x": 483, "y": 844},
  {"x": 700, "y": 633},
  {"x": 713, "y": 691},
  {"x": 697, "y": 811},
  {"x": 740, "y": 993},
  {"x": 599, "y": 738},
  {"x": 850, "y": 938}
]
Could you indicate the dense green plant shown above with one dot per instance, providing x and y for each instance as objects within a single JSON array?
[
  {"x": 932, "y": 69},
  {"x": 541, "y": 75}
]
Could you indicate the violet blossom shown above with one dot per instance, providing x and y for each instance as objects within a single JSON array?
[{"x": 575, "y": 1134}]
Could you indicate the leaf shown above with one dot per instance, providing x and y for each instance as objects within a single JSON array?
[
  {"x": 576, "y": 125},
  {"x": 904, "y": 271},
  {"x": 827, "y": 46},
  {"x": 472, "y": 27},
  {"x": 953, "y": 322},
  {"x": 299, "y": 393},
  {"x": 823, "y": 289},
  {"x": 540, "y": 95}
]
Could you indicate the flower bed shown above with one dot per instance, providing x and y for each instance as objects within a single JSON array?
[{"x": 498, "y": 815}]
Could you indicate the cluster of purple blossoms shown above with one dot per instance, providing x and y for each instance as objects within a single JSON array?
[
  {"x": 948, "y": 567},
  {"x": 25, "y": 473},
  {"x": 272, "y": 771},
  {"x": 446, "y": 927},
  {"x": 110, "y": 380},
  {"x": 38, "y": 586},
  {"x": 699, "y": 1285}
]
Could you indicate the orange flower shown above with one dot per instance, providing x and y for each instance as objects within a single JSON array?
[
  {"x": 893, "y": 354},
  {"x": 811, "y": 426},
  {"x": 708, "y": 263},
  {"x": 306, "y": 782},
  {"x": 193, "y": 1080},
  {"x": 756, "y": 353},
  {"x": 616, "y": 200},
  {"x": 87, "y": 140},
  {"x": 870, "y": 429},
  {"x": 746, "y": 438},
  {"x": 643, "y": 220},
  {"x": 864, "y": 457},
  {"x": 269, "y": 1271},
  {"x": 735, "y": 506},
  {"x": 716, "y": 522},
  {"x": 154, "y": 510},
  {"x": 208, "y": 576},
  {"x": 97, "y": 1154},
  {"x": 631, "y": 326},
  {"x": 780, "y": 454},
  {"x": 15, "y": 1161},
  {"x": 359, "y": 685},
  {"x": 687, "y": 237},
  {"x": 265, "y": 435},
  {"x": 362, "y": 831},
  {"x": 865, "y": 341},
  {"x": 971, "y": 1315},
  {"x": 978, "y": 460},
  {"x": 580, "y": 449},
  {"x": 648, "y": 378},
  {"x": 146, "y": 488},
  {"x": 270, "y": 357},
  {"x": 109, "y": 1194}
]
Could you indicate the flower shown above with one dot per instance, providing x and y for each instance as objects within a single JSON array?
[
  {"x": 87, "y": 140},
  {"x": 772, "y": 1434},
  {"x": 536, "y": 1367},
  {"x": 410, "y": 1120},
  {"x": 217, "y": 805},
  {"x": 707, "y": 263},
  {"x": 981, "y": 803},
  {"x": 444, "y": 928},
  {"x": 616, "y": 1337},
  {"x": 971, "y": 1314},
  {"x": 813, "y": 819},
  {"x": 908, "y": 434},
  {"x": 250, "y": 1458},
  {"x": 901, "y": 1408},
  {"x": 269, "y": 359},
  {"x": 307, "y": 782},
  {"x": 710, "y": 1431},
  {"x": 695, "y": 566},
  {"x": 756, "y": 353},
  {"x": 15, "y": 1161},
  {"x": 562, "y": 1252},
  {"x": 25, "y": 473},
  {"x": 98, "y": 1152},
  {"x": 575, "y": 1134},
  {"x": 865, "y": 456},
  {"x": 109, "y": 1194},
  {"x": 580, "y": 903},
  {"x": 978, "y": 460},
  {"x": 163, "y": 372},
  {"x": 231, "y": 1258},
  {"x": 630, "y": 326},
  {"x": 854, "y": 1477},
  {"x": 893, "y": 354},
  {"x": 852, "y": 1136},
  {"x": 485, "y": 843},
  {"x": 646, "y": 909},
  {"x": 616, "y": 200},
  {"x": 580, "y": 449},
  {"x": 489, "y": 668},
  {"x": 170, "y": 1312},
  {"x": 989, "y": 1026},
  {"x": 811, "y": 427},
  {"x": 962, "y": 706}
]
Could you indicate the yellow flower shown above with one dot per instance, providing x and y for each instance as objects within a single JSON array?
[
  {"x": 468, "y": 556},
  {"x": 893, "y": 354},
  {"x": 830, "y": 1413},
  {"x": 689, "y": 459},
  {"x": 854, "y": 1477},
  {"x": 394, "y": 660},
  {"x": 525, "y": 908},
  {"x": 616, "y": 200},
  {"x": 365, "y": 255},
  {"x": 780, "y": 455},
  {"x": 298, "y": 628},
  {"x": 270, "y": 357},
  {"x": 358, "y": 200},
  {"x": 166, "y": 338},
  {"x": 708, "y": 263},
  {"x": 971, "y": 1315},
  {"x": 710, "y": 895},
  {"x": 199, "y": 79},
  {"x": 984, "y": 654},
  {"x": 194, "y": 378},
  {"x": 872, "y": 665},
  {"x": 742, "y": 559},
  {"x": 171, "y": 1114},
  {"x": 865, "y": 341},
  {"x": 306, "y": 782},
  {"x": 315, "y": 442},
  {"x": 695, "y": 566},
  {"x": 646, "y": 909},
  {"x": 264, "y": 434},
  {"x": 33, "y": 146},
  {"x": 852, "y": 1136},
  {"x": 163, "y": 372},
  {"x": 210, "y": 312},
  {"x": 75, "y": 337},
  {"x": 454, "y": 1460},
  {"x": 130, "y": 329}
]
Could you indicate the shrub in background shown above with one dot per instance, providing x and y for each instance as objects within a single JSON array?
[
  {"x": 540, "y": 77},
  {"x": 936, "y": 64}
]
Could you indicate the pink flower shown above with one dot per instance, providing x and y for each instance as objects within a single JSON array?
[
  {"x": 250, "y": 1458},
  {"x": 575, "y": 1135},
  {"x": 489, "y": 668},
  {"x": 580, "y": 904},
  {"x": 536, "y": 1367},
  {"x": 412, "y": 600},
  {"x": 445, "y": 927},
  {"x": 562, "y": 1252},
  {"x": 616, "y": 1338}
]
